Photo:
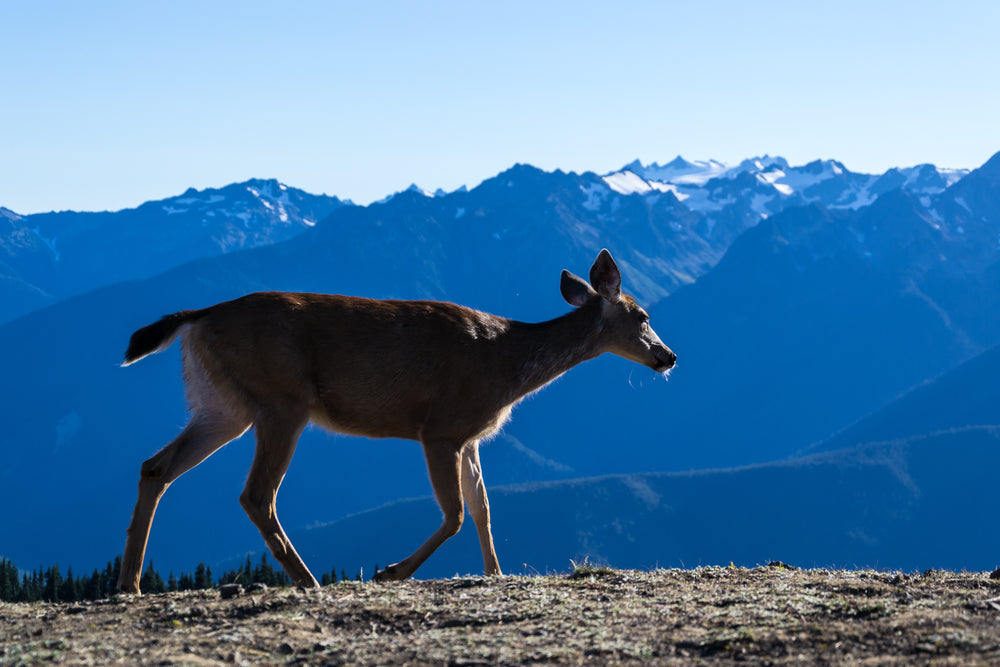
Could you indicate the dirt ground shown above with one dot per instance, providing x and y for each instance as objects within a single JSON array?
[{"x": 766, "y": 615}]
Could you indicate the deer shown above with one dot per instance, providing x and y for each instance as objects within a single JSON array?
[{"x": 439, "y": 373}]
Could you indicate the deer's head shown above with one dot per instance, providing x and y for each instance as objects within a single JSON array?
[{"x": 624, "y": 325}]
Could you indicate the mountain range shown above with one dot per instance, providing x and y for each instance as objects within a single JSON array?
[
  {"x": 47, "y": 257},
  {"x": 801, "y": 305}
]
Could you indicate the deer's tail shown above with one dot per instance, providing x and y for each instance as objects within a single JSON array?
[{"x": 158, "y": 336}]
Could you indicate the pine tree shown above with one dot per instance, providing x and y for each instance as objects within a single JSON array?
[
  {"x": 109, "y": 580},
  {"x": 10, "y": 588},
  {"x": 151, "y": 581},
  {"x": 68, "y": 589},
  {"x": 116, "y": 571},
  {"x": 202, "y": 577},
  {"x": 93, "y": 589},
  {"x": 25, "y": 594},
  {"x": 53, "y": 584}
]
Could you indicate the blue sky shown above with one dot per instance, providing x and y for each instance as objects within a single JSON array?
[{"x": 109, "y": 104}]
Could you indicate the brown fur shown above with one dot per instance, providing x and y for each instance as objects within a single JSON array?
[{"x": 439, "y": 373}]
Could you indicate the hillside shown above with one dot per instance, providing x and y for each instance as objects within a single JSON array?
[
  {"x": 766, "y": 615},
  {"x": 967, "y": 395}
]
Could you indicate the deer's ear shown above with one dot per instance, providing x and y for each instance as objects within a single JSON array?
[
  {"x": 605, "y": 277},
  {"x": 574, "y": 289}
]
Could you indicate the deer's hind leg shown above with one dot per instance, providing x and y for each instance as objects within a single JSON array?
[
  {"x": 277, "y": 435},
  {"x": 474, "y": 491},
  {"x": 207, "y": 432},
  {"x": 214, "y": 422}
]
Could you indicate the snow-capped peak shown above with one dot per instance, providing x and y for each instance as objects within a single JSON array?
[
  {"x": 678, "y": 171},
  {"x": 713, "y": 185},
  {"x": 419, "y": 190},
  {"x": 416, "y": 189},
  {"x": 627, "y": 182},
  {"x": 760, "y": 164}
]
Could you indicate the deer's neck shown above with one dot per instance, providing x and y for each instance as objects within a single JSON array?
[{"x": 539, "y": 353}]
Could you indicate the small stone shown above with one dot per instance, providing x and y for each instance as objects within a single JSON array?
[
  {"x": 227, "y": 591},
  {"x": 284, "y": 648},
  {"x": 257, "y": 588},
  {"x": 781, "y": 566}
]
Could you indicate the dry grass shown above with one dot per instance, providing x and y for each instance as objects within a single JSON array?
[{"x": 766, "y": 615}]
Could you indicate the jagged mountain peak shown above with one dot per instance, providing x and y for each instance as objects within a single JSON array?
[
  {"x": 679, "y": 162},
  {"x": 762, "y": 163},
  {"x": 261, "y": 188},
  {"x": 992, "y": 165},
  {"x": 988, "y": 173},
  {"x": 416, "y": 190},
  {"x": 85, "y": 250},
  {"x": 821, "y": 166},
  {"x": 677, "y": 170},
  {"x": 8, "y": 214},
  {"x": 769, "y": 183}
]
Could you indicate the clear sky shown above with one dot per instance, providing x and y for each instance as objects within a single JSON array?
[{"x": 104, "y": 105}]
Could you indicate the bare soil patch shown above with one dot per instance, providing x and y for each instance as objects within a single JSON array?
[{"x": 767, "y": 615}]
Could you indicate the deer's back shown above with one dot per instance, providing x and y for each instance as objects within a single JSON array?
[{"x": 362, "y": 366}]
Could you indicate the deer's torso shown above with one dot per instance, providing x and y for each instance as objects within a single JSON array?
[{"x": 406, "y": 369}]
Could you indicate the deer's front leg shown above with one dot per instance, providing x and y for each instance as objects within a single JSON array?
[
  {"x": 444, "y": 465},
  {"x": 474, "y": 491}
]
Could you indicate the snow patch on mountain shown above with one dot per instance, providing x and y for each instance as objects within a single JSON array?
[
  {"x": 595, "y": 194},
  {"x": 679, "y": 171},
  {"x": 708, "y": 186},
  {"x": 9, "y": 214},
  {"x": 50, "y": 243},
  {"x": 627, "y": 183},
  {"x": 416, "y": 189}
]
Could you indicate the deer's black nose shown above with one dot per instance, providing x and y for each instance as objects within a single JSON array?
[{"x": 667, "y": 362}]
